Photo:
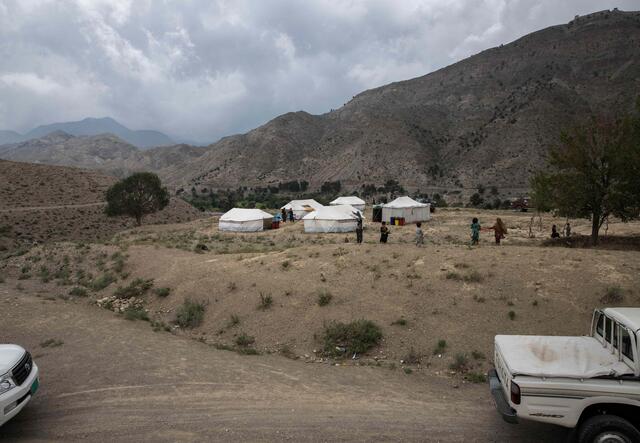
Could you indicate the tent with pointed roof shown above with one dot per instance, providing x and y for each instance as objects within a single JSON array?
[
  {"x": 245, "y": 220},
  {"x": 352, "y": 200},
  {"x": 341, "y": 218},
  {"x": 407, "y": 208}
]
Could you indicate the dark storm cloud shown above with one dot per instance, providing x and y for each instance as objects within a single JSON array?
[{"x": 203, "y": 69}]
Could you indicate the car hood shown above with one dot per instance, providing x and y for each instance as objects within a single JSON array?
[{"x": 9, "y": 356}]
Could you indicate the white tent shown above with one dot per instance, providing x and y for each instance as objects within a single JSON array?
[
  {"x": 245, "y": 220},
  {"x": 341, "y": 218},
  {"x": 354, "y": 201},
  {"x": 408, "y": 208},
  {"x": 302, "y": 207}
]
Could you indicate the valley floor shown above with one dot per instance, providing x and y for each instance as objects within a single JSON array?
[{"x": 117, "y": 379}]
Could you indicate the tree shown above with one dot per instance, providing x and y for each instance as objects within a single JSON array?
[
  {"x": 136, "y": 196},
  {"x": 476, "y": 200},
  {"x": 594, "y": 172}
]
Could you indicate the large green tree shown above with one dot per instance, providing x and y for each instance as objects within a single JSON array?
[
  {"x": 136, "y": 196},
  {"x": 594, "y": 172}
]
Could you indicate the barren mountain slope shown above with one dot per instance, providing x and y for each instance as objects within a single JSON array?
[
  {"x": 106, "y": 152},
  {"x": 44, "y": 203},
  {"x": 487, "y": 119}
]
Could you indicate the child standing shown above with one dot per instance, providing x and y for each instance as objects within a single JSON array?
[
  {"x": 475, "y": 231},
  {"x": 419, "y": 235},
  {"x": 499, "y": 230},
  {"x": 384, "y": 232}
]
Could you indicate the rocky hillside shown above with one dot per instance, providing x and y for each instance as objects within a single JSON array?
[
  {"x": 106, "y": 152},
  {"x": 40, "y": 203},
  {"x": 485, "y": 120}
]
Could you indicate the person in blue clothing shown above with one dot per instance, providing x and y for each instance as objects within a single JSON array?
[{"x": 475, "y": 231}]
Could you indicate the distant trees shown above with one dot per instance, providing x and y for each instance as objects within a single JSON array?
[
  {"x": 136, "y": 196},
  {"x": 594, "y": 172}
]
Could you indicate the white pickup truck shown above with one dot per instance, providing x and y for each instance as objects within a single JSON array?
[
  {"x": 18, "y": 380},
  {"x": 591, "y": 384}
]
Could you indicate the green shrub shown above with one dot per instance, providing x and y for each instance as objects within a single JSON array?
[
  {"x": 477, "y": 355},
  {"x": 190, "y": 314},
  {"x": 99, "y": 283},
  {"x": 612, "y": 295},
  {"x": 399, "y": 322},
  {"x": 460, "y": 363},
  {"x": 234, "y": 320},
  {"x": 244, "y": 340},
  {"x": 266, "y": 301},
  {"x": 473, "y": 277},
  {"x": 132, "y": 313},
  {"x": 476, "y": 377},
  {"x": 440, "y": 347},
  {"x": 512, "y": 315},
  {"x": 356, "y": 337},
  {"x": 412, "y": 358},
  {"x": 78, "y": 292},
  {"x": 324, "y": 297},
  {"x": 135, "y": 289},
  {"x": 162, "y": 292},
  {"x": 453, "y": 276}
]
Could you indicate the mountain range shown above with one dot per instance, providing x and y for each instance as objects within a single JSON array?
[
  {"x": 93, "y": 126},
  {"x": 486, "y": 120}
]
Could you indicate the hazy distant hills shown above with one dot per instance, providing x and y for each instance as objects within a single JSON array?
[
  {"x": 485, "y": 120},
  {"x": 106, "y": 152},
  {"x": 93, "y": 126}
]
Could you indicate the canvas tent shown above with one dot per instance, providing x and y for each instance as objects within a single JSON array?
[
  {"x": 302, "y": 207},
  {"x": 407, "y": 208},
  {"x": 245, "y": 220},
  {"x": 331, "y": 219},
  {"x": 354, "y": 201}
]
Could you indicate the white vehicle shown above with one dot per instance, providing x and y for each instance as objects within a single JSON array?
[
  {"x": 591, "y": 384},
  {"x": 18, "y": 380}
]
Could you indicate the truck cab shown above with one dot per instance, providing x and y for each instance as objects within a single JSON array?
[
  {"x": 18, "y": 380},
  {"x": 589, "y": 383}
]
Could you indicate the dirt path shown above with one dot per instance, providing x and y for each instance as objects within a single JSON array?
[
  {"x": 47, "y": 208},
  {"x": 117, "y": 380}
]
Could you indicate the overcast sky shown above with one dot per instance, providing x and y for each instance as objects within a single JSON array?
[{"x": 203, "y": 69}]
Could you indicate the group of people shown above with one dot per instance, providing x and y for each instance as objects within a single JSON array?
[
  {"x": 284, "y": 215},
  {"x": 566, "y": 231}
]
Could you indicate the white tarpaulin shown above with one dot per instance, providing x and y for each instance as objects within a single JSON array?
[
  {"x": 407, "y": 208},
  {"x": 354, "y": 201},
  {"x": 245, "y": 220},
  {"x": 331, "y": 219},
  {"x": 302, "y": 207},
  {"x": 549, "y": 356}
]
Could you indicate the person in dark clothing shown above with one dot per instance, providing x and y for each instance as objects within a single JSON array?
[
  {"x": 291, "y": 217},
  {"x": 384, "y": 232},
  {"x": 284, "y": 215},
  {"x": 554, "y": 232},
  {"x": 359, "y": 227}
]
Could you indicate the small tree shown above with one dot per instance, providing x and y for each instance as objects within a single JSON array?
[
  {"x": 136, "y": 196},
  {"x": 594, "y": 172}
]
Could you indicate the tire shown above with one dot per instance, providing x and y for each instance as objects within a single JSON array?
[{"x": 608, "y": 429}]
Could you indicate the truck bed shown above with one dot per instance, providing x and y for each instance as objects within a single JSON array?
[{"x": 556, "y": 356}]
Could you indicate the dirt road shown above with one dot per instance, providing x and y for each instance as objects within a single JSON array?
[
  {"x": 115, "y": 380},
  {"x": 48, "y": 208}
]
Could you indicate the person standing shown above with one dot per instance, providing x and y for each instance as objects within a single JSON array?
[
  {"x": 384, "y": 232},
  {"x": 475, "y": 231},
  {"x": 419, "y": 235},
  {"x": 291, "y": 217},
  {"x": 554, "y": 232},
  {"x": 284, "y": 215},
  {"x": 499, "y": 229},
  {"x": 567, "y": 230},
  {"x": 359, "y": 227}
]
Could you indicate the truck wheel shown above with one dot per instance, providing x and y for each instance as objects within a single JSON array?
[{"x": 608, "y": 429}]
